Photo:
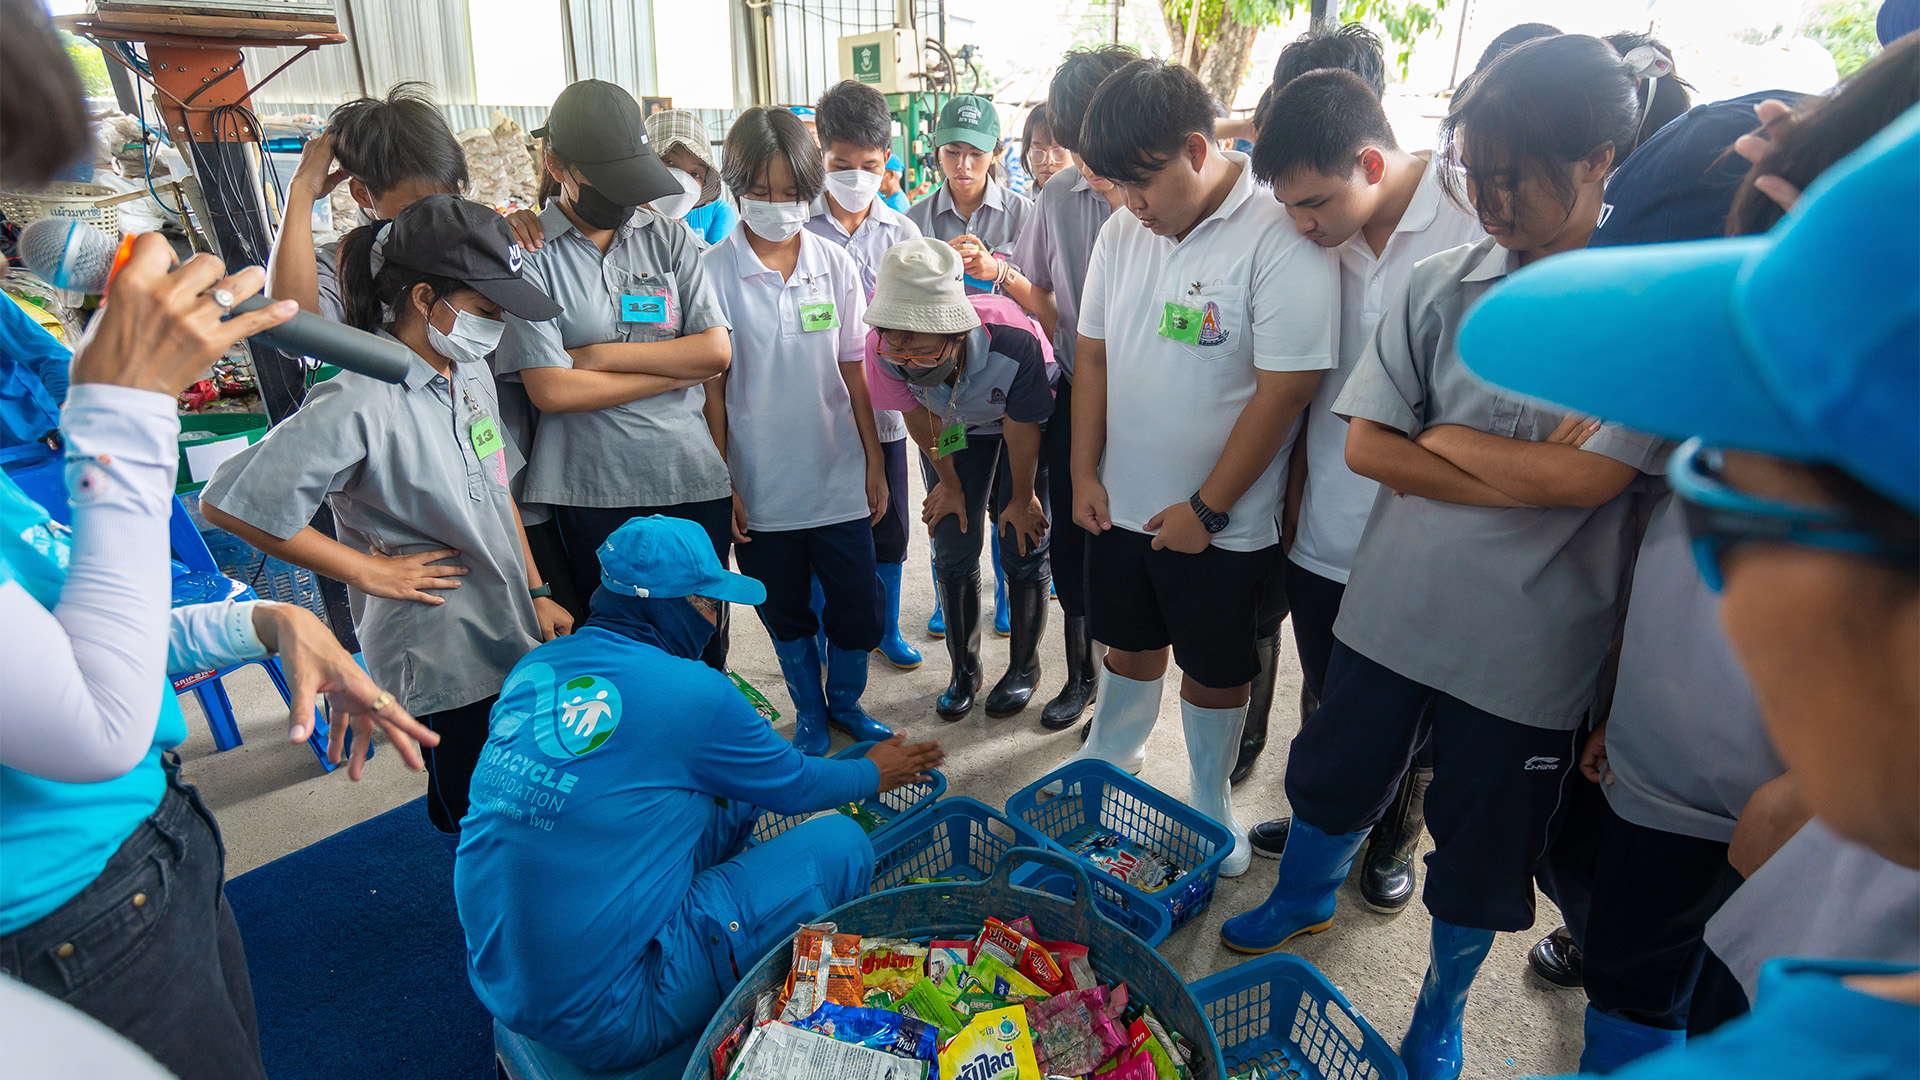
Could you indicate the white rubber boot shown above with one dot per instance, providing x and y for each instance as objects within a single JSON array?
[
  {"x": 1213, "y": 745},
  {"x": 1123, "y": 716}
]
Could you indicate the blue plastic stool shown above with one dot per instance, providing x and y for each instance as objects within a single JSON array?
[{"x": 520, "y": 1058}]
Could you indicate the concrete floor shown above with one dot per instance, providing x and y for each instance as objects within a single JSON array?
[{"x": 273, "y": 799}]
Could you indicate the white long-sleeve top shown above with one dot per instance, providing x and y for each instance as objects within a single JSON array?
[{"x": 84, "y": 680}]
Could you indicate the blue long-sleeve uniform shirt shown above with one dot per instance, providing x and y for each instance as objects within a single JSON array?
[
  {"x": 33, "y": 376},
  {"x": 596, "y": 785}
]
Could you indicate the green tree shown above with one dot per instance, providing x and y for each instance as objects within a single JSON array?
[
  {"x": 89, "y": 63},
  {"x": 1846, "y": 29},
  {"x": 1226, "y": 29}
]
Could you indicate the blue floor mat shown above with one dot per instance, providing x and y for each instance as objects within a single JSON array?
[{"x": 358, "y": 961}]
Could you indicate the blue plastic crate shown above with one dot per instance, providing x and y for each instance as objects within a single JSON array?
[
  {"x": 892, "y": 807},
  {"x": 1096, "y": 793},
  {"x": 957, "y": 838},
  {"x": 1278, "y": 1018}
]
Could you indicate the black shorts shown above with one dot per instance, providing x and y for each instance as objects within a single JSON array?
[{"x": 1203, "y": 605}]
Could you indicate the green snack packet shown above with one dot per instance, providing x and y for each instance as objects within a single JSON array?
[
  {"x": 925, "y": 1003},
  {"x": 862, "y": 815},
  {"x": 755, "y": 698}
]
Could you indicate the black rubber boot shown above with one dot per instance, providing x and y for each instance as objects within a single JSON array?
[
  {"x": 1388, "y": 877},
  {"x": 1027, "y": 624},
  {"x": 1556, "y": 961},
  {"x": 1083, "y": 677},
  {"x": 1253, "y": 737},
  {"x": 960, "y": 600}
]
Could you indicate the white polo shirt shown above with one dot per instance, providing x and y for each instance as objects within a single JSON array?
[
  {"x": 792, "y": 444},
  {"x": 1333, "y": 512},
  {"x": 884, "y": 227},
  {"x": 1269, "y": 300}
]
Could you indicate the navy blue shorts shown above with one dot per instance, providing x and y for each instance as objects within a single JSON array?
[
  {"x": 841, "y": 556},
  {"x": 1498, "y": 786}
]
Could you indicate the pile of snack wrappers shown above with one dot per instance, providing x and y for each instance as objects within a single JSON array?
[{"x": 1002, "y": 1006}]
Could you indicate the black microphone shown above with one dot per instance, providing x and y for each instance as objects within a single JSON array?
[{"x": 71, "y": 255}]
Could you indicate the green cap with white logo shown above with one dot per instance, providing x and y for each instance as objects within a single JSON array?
[{"x": 970, "y": 119}]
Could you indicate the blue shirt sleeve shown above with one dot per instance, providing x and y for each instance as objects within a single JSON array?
[
  {"x": 29, "y": 398},
  {"x": 740, "y": 756},
  {"x": 42, "y": 353},
  {"x": 719, "y": 219}
]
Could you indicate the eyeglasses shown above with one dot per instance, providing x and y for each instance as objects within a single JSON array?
[
  {"x": 887, "y": 346},
  {"x": 1056, "y": 156},
  {"x": 1721, "y": 517}
]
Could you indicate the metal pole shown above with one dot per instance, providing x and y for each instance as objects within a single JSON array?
[
  {"x": 1193, "y": 32},
  {"x": 1459, "y": 42}
]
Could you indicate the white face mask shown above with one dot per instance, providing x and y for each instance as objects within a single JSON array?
[
  {"x": 775, "y": 222},
  {"x": 472, "y": 339},
  {"x": 678, "y": 206},
  {"x": 853, "y": 189}
]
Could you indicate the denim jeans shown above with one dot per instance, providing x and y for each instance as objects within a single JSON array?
[{"x": 151, "y": 949}]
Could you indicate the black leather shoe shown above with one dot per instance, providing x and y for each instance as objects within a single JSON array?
[
  {"x": 1253, "y": 737},
  {"x": 960, "y": 598},
  {"x": 1026, "y": 624},
  {"x": 1269, "y": 838},
  {"x": 1556, "y": 961},
  {"x": 1388, "y": 877},
  {"x": 1083, "y": 677}
]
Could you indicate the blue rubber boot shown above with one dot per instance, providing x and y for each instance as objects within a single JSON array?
[
  {"x": 1431, "y": 1050},
  {"x": 818, "y": 605},
  {"x": 1311, "y": 869},
  {"x": 800, "y": 664},
  {"x": 936, "y": 622},
  {"x": 895, "y": 648},
  {"x": 1002, "y": 617},
  {"x": 1613, "y": 1042},
  {"x": 846, "y": 681}
]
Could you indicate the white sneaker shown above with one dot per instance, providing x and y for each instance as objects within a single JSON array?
[
  {"x": 1213, "y": 745},
  {"x": 1123, "y": 715}
]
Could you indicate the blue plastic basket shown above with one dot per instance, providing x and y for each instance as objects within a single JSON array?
[
  {"x": 1096, "y": 793},
  {"x": 957, "y": 837},
  {"x": 892, "y": 807},
  {"x": 958, "y": 910},
  {"x": 1277, "y": 1013}
]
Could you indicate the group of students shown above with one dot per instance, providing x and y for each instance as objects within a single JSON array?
[{"x": 1490, "y": 596}]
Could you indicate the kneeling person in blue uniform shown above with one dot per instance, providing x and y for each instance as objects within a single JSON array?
[{"x": 609, "y": 898}]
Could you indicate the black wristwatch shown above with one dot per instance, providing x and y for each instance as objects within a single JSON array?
[
  {"x": 541, "y": 591},
  {"x": 1214, "y": 520}
]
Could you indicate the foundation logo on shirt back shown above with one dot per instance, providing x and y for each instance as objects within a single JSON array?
[
  {"x": 1210, "y": 332},
  {"x": 584, "y": 715}
]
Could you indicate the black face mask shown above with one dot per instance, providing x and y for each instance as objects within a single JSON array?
[{"x": 599, "y": 211}]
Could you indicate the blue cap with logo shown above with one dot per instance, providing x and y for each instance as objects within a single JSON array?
[
  {"x": 1801, "y": 343},
  {"x": 664, "y": 558}
]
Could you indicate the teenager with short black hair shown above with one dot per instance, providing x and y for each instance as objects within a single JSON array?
[
  {"x": 1333, "y": 161},
  {"x": 1208, "y": 321},
  {"x": 1039, "y": 151},
  {"x": 796, "y": 424},
  {"x": 856, "y": 137},
  {"x": 1505, "y": 40},
  {"x": 390, "y": 151},
  {"x": 1053, "y": 255},
  {"x": 1488, "y": 582},
  {"x": 1351, "y": 47}
]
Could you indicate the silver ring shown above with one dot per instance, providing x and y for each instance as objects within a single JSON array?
[{"x": 223, "y": 298}]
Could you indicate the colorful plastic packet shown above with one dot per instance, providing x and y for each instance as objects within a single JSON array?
[
  {"x": 1019, "y": 952},
  {"x": 891, "y": 967},
  {"x": 755, "y": 698},
  {"x": 942, "y": 955},
  {"x": 876, "y": 1029},
  {"x": 1131, "y": 1067},
  {"x": 863, "y": 815},
  {"x": 925, "y": 1002},
  {"x": 784, "y": 1052},
  {"x": 1073, "y": 1033},
  {"x": 826, "y": 967},
  {"x": 1072, "y": 958},
  {"x": 994, "y": 1046},
  {"x": 1150, "y": 1040},
  {"x": 729, "y": 1048},
  {"x": 1122, "y": 858},
  {"x": 990, "y": 973}
]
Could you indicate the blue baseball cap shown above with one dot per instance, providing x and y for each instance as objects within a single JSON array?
[
  {"x": 893, "y": 163},
  {"x": 1801, "y": 343},
  {"x": 664, "y": 558}
]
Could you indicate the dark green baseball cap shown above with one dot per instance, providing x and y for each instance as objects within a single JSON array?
[{"x": 970, "y": 119}]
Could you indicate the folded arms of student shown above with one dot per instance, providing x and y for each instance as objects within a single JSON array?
[
  {"x": 1384, "y": 453},
  {"x": 1548, "y": 473},
  {"x": 695, "y": 356}
]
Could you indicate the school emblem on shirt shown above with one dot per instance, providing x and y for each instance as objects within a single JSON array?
[
  {"x": 586, "y": 712},
  {"x": 998, "y": 397},
  {"x": 1210, "y": 332}
]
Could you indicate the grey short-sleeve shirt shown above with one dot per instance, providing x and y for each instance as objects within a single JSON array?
[
  {"x": 1511, "y": 610},
  {"x": 396, "y": 463},
  {"x": 1004, "y": 378},
  {"x": 657, "y": 451},
  {"x": 998, "y": 221},
  {"x": 326, "y": 271},
  {"x": 1055, "y": 248}
]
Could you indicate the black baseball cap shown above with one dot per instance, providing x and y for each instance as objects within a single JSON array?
[
  {"x": 451, "y": 237},
  {"x": 597, "y": 127}
]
